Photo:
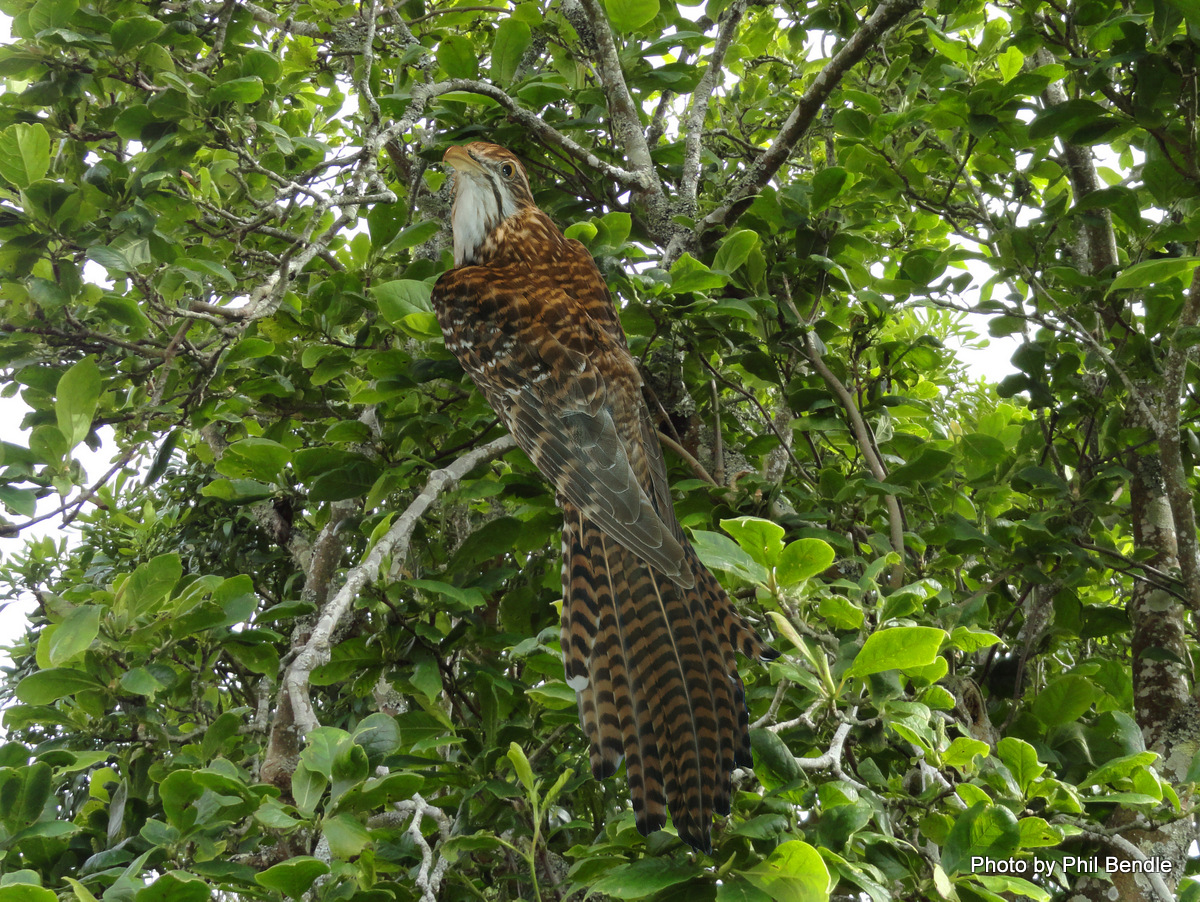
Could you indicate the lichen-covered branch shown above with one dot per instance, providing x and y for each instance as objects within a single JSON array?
[
  {"x": 394, "y": 545},
  {"x": 626, "y": 119},
  {"x": 1175, "y": 478},
  {"x": 693, "y": 129}
]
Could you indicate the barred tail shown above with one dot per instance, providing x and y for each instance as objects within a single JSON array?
[{"x": 656, "y": 679}]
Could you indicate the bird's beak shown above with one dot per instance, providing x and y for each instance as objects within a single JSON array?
[{"x": 462, "y": 161}]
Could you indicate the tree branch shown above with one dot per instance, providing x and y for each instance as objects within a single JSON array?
[
  {"x": 394, "y": 545},
  {"x": 640, "y": 180},
  {"x": 887, "y": 14},
  {"x": 698, "y": 112},
  {"x": 624, "y": 111},
  {"x": 866, "y": 443},
  {"x": 1179, "y": 494}
]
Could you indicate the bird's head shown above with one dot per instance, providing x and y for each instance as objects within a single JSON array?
[{"x": 490, "y": 187}]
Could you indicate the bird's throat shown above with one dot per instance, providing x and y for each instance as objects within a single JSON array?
[{"x": 480, "y": 206}]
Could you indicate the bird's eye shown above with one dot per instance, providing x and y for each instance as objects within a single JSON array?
[{"x": 507, "y": 170}]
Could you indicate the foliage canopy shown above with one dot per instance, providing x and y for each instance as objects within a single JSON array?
[{"x": 306, "y": 645}]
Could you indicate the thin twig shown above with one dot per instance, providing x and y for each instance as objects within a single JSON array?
[
  {"x": 691, "y": 461},
  {"x": 459, "y": 9},
  {"x": 807, "y": 108},
  {"x": 866, "y": 443}
]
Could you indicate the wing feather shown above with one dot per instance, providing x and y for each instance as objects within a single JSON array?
[{"x": 567, "y": 426}]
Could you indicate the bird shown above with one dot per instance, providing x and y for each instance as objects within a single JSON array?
[{"x": 648, "y": 634}]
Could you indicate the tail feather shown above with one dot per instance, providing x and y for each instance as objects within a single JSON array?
[
  {"x": 640, "y": 740},
  {"x": 580, "y": 634},
  {"x": 654, "y": 667},
  {"x": 656, "y": 693}
]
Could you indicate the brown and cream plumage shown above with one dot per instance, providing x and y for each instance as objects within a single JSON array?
[{"x": 648, "y": 635}]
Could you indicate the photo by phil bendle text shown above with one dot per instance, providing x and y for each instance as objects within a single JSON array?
[{"x": 1070, "y": 864}]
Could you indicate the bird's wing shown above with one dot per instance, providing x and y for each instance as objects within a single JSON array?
[
  {"x": 648, "y": 635},
  {"x": 571, "y": 397}
]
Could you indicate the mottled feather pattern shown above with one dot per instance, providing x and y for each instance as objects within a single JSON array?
[{"x": 648, "y": 634}]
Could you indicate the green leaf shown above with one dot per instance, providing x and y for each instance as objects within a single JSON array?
[
  {"x": 962, "y": 752},
  {"x": 1063, "y": 119},
  {"x": 801, "y": 560},
  {"x": 1021, "y": 759},
  {"x": 421, "y": 326},
  {"x": 141, "y": 681},
  {"x": 630, "y": 15},
  {"x": 350, "y": 768},
  {"x": 794, "y": 870},
  {"x": 162, "y": 457},
  {"x": 985, "y": 829},
  {"x": 402, "y": 298},
  {"x": 642, "y": 879},
  {"x": 24, "y": 153},
  {"x": 719, "y": 552},
  {"x": 22, "y": 502},
  {"x": 411, "y": 237},
  {"x": 617, "y": 225},
  {"x": 239, "y": 90},
  {"x": 840, "y": 612},
  {"x": 427, "y": 678},
  {"x": 852, "y": 123},
  {"x": 202, "y": 268},
  {"x": 271, "y": 813},
  {"x": 376, "y": 792},
  {"x": 512, "y": 39},
  {"x": 897, "y": 649},
  {"x": 1064, "y": 700},
  {"x": 379, "y": 736},
  {"x": 75, "y": 634},
  {"x": 47, "y": 14},
  {"x": 23, "y": 794},
  {"x": 254, "y": 458},
  {"x": 175, "y": 886},
  {"x": 25, "y": 892},
  {"x": 110, "y": 258},
  {"x": 46, "y": 686},
  {"x": 557, "y": 696},
  {"x": 457, "y": 57},
  {"x": 238, "y": 491},
  {"x": 521, "y": 765},
  {"x": 148, "y": 585},
  {"x": 1009, "y": 62},
  {"x": 308, "y": 788},
  {"x": 969, "y": 640},
  {"x": 581, "y": 231},
  {"x": 736, "y": 889},
  {"x": 78, "y": 394},
  {"x": 464, "y": 599},
  {"x": 1122, "y": 201},
  {"x": 294, "y": 877},
  {"x": 930, "y": 463},
  {"x": 761, "y": 539},
  {"x": 689, "y": 274},
  {"x": 827, "y": 185},
  {"x": 126, "y": 311},
  {"x": 347, "y": 837},
  {"x": 774, "y": 763},
  {"x": 734, "y": 249},
  {"x": 1118, "y": 768},
  {"x": 1154, "y": 272},
  {"x": 129, "y": 34}
]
